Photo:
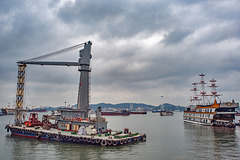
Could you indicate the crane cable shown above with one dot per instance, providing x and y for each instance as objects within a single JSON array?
[{"x": 56, "y": 52}]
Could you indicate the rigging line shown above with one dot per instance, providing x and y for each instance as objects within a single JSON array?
[{"x": 56, "y": 52}]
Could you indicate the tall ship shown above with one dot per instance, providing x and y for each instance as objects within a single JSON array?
[
  {"x": 70, "y": 125},
  {"x": 207, "y": 109}
]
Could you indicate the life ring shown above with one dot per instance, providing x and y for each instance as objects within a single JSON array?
[
  {"x": 121, "y": 141},
  {"x": 110, "y": 142},
  {"x": 115, "y": 142},
  {"x": 229, "y": 104},
  {"x": 93, "y": 141},
  {"x": 98, "y": 140},
  {"x": 104, "y": 142}
]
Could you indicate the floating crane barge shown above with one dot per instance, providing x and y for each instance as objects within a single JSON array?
[{"x": 71, "y": 125}]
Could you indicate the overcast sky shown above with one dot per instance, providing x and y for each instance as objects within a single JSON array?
[{"x": 141, "y": 50}]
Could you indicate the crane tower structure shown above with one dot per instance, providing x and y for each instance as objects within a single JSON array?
[{"x": 84, "y": 69}]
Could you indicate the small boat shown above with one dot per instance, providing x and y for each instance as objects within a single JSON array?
[
  {"x": 166, "y": 113},
  {"x": 115, "y": 113}
]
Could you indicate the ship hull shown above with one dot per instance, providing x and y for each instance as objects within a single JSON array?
[
  {"x": 138, "y": 112},
  {"x": 115, "y": 113}
]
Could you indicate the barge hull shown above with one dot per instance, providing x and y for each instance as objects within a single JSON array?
[{"x": 65, "y": 136}]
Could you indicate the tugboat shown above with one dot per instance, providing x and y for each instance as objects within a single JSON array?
[
  {"x": 202, "y": 111},
  {"x": 71, "y": 125}
]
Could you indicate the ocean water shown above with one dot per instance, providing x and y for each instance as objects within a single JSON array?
[{"x": 168, "y": 138}]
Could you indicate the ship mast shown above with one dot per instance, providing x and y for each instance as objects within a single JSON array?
[
  {"x": 213, "y": 89},
  {"x": 195, "y": 99},
  {"x": 202, "y": 83}
]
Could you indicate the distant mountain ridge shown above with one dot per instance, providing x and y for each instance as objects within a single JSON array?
[{"x": 165, "y": 106}]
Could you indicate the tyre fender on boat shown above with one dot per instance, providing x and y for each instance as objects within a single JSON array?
[
  {"x": 110, "y": 142},
  {"x": 67, "y": 138},
  {"x": 38, "y": 135},
  {"x": 115, "y": 142},
  {"x": 121, "y": 141},
  {"x": 104, "y": 142},
  {"x": 74, "y": 139},
  {"x": 135, "y": 138},
  {"x": 78, "y": 139},
  {"x": 88, "y": 140},
  {"x": 84, "y": 139},
  {"x": 125, "y": 141},
  {"x": 98, "y": 140},
  {"x": 54, "y": 135},
  {"x": 144, "y": 136},
  {"x": 7, "y": 127},
  {"x": 93, "y": 141},
  {"x": 70, "y": 138}
]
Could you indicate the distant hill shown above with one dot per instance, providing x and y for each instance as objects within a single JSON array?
[{"x": 165, "y": 106}]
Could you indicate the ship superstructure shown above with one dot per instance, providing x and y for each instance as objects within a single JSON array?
[
  {"x": 71, "y": 125},
  {"x": 207, "y": 109}
]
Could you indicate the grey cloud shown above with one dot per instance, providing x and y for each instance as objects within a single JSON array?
[
  {"x": 176, "y": 36},
  {"x": 116, "y": 18}
]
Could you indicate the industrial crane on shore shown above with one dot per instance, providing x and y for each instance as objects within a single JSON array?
[{"x": 84, "y": 69}]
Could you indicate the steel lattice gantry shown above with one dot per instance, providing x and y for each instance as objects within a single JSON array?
[{"x": 20, "y": 93}]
